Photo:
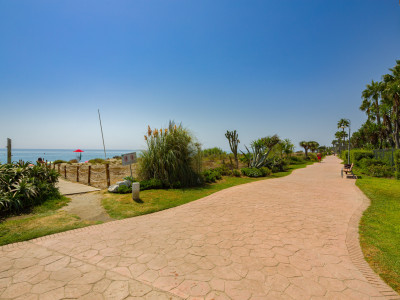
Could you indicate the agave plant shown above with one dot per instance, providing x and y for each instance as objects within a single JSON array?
[
  {"x": 23, "y": 185},
  {"x": 261, "y": 148}
]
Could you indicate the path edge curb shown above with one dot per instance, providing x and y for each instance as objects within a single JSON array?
[{"x": 356, "y": 254}]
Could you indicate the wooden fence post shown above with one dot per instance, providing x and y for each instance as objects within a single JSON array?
[
  {"x": 59, "y": 166},
  {"x": 65, "y": 171},
  {"x": 9, "y": 151},
  {"x": 77, "y": 173},
  {"x": 89, "y": 171},
  {"x": 108, "y": 174}
]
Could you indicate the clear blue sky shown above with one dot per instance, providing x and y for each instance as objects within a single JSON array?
[{"x": 261, "y": 67}]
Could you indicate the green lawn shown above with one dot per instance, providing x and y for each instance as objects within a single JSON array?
[
  {"x": 43, "y": 220},
  {"x": 120, "y": 206},
  {"x": 380, "y": 228}
]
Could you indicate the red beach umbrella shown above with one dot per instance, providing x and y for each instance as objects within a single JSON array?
[{"x": 80, "y": 151}]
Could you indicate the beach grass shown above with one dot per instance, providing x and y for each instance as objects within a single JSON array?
[
  {"x": 380, "y": 228},
  {"x": 43, "y": 220},
  {"x": 121, "y": 206}
]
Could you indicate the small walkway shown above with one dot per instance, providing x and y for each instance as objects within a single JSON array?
[
  {"x": 71, "y": 188},
  {"x": 85, "y": 201},
  {"x": 288, "y": 238}
]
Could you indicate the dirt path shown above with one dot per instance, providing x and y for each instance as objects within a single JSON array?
[
  {"x": 288, "y": 238},
  {"x": 88, "y": 207}
]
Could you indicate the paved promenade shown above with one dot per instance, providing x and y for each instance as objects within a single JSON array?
[{"x": 289, "y": 238}]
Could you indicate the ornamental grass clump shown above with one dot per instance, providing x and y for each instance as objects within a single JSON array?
[
  {"x": 23, "y": 186},
  {"x": 172, "y": 157}
]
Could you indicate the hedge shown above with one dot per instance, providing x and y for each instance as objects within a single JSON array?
[
  {"x": 397, "y": 163},
  {"x": 356, "y": 155}
]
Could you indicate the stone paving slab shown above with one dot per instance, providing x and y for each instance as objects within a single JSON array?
[
  {"x": 287, "y": 238},
  {"x": 71, "y": 188}
]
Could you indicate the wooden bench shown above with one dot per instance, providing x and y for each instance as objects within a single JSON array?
[{"x": 348, "y": 169}]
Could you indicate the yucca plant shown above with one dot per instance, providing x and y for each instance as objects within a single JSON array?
[{"x": 172, "y": 156}]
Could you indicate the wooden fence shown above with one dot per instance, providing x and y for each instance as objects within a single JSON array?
[{"x": 101, "y": 175}]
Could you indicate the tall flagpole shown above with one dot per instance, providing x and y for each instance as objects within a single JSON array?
[{"x": 101, "y": 127}]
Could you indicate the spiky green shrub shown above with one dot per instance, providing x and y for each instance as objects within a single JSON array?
[
  {"x": 172, "y": 156},
  {"x": 261, "y": 148},
  {"x": 23, "y": 185}
]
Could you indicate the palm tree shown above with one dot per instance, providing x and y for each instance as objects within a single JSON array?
[
  {"x": 343, "y": 123},
  {"x": 313, "y": 146},
  {"x": 392, "y": 97},
  {"x": 371, "y": 96},
  {"x": 306, "y": 146}
]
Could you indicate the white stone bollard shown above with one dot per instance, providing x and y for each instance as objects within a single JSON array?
[{"x": 135, "y": 190}]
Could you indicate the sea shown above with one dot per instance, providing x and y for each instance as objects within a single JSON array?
[{"x": 32, "y": 155}]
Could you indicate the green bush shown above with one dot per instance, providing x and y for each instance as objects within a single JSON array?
[
  {"x": 223, "y": 170},
  {"x": 211, "y": 175},
  {"x": 375, "y": 168},
  {"x": 151, "y": 184},
  {"x": 73, "y": 161},
  {"x": 253, "y": 172},
  {"x": 312, "y": 157},
  {"x": 397, "y": 163},
  {"x": 23, "y": 186},
  {"x": 265, "y": 171},
  {"x": 60, "y": 161},
  {"x": 236, "y": 173},
  {"x": 172, "y": 157},
  {"x": 379, "y": 171},
  {"x": 276, "y": 164},
  {"x": 213, "y": 152},
  {"x": 357, "y": 155},
  {"x": 96, "y": 161},
  {"x": 367, "y": 162},
  {"x": 123, "y": 189},
  {"x": 343, "y": 155},
  {"x": 130, "y": 178},
  {"x": 295, "y": 160}
]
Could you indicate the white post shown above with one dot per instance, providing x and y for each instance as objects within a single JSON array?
[{"x": 135, "y": 190}]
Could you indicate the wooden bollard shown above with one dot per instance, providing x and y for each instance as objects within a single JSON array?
[
  {"x": 108, "y": 174},
  {"x": 89, "y": 171},
  {"x": 77, "y": 173},
  {"x": 59, "y": 167},
  {"x": 65, "y": 171}
]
